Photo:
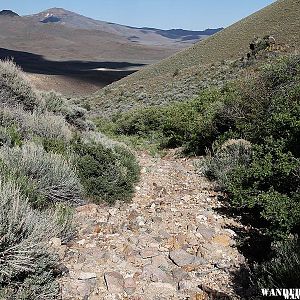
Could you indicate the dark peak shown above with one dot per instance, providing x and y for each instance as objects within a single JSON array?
[
  {"x": 54, "y": 15},
  {"x": 9, "y": 13}
]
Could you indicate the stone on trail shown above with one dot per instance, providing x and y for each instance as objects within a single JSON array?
[
  {"x": 129, "y": 285},
  {"x": 160, "y": 289},
  {"x": 206, "y": 232},
  {"x": 155, "y": 274},
  {"x": 187, "y": 285},
  {"x": 114, "y": 282},
  {"x": 161, "y": 261},
  {"x": 223, "y": 240},
  {"x": 181, "y": 258},
  {"x": 86, "y": 275},
  {"x": 149, "y": 252}
]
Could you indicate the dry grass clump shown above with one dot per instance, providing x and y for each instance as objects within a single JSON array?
[{"x": 100, "y": 138}]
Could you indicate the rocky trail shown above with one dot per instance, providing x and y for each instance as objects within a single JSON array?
[{"x": 168, "y": 243}]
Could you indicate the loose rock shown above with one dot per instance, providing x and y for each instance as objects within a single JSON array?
[
  {"x": 146, "y": 249},
  {"x": 181, "y": 258},
  {"x": 85, "y": 276},
  {"x": 114, "y": 282}
]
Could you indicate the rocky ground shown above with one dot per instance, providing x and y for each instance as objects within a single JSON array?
[{"x": 168, "y": 243}]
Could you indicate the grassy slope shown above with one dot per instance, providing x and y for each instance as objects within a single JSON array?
[{"x": 153, "y": 83}]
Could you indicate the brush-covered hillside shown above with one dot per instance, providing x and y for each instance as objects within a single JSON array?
[
  {"x": 51, "y": 160},
  {"x": 181, "y": 76}
]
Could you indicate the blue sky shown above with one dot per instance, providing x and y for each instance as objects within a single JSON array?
[{"x": 166, "y": 14}]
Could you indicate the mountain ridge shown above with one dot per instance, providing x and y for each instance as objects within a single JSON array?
[{"x": 140, "y": 35}]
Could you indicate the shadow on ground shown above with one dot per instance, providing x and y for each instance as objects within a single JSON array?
[
  {"x": 251, "y": 243},
  {"x": 83, "y": 70}
]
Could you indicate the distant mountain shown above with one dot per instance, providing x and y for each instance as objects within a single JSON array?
[
  {"x": 145, "y": 36},
  {"x": 9, "y": 13},
  {"x": 64, "y": 46}
]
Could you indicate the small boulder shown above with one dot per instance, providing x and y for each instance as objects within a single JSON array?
[
  {"x": 222, "y": 239},
  {"x": 179, "y": 274},
  {"x": 187, "y": 285},
  {"x": 161, "y": 261},
  {"x": 161, "y": 290},
  {"x": 55, "y": 242}
]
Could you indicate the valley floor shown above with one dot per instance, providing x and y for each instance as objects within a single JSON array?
[{"x": 168, "y": 243}]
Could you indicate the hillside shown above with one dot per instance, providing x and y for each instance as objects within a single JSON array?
[{"x": 185, "y": 73}]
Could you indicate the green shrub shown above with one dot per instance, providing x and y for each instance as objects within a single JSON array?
[
  {"x": 268, "y": 104},
  {"x": 269, "y": 185},
  {"x": 283, "y": 270},
  {"x": 10, "y": 136},
  {"x": 46, "y": 177},
  {"x": 39, "y": 285},
  {"x": 26, "y": 265},
  {"x": 14, "y": 88},
  {"x": 56, "y": 145},
  {"x": 51, "y": 127},
  {"x": 193, "y": 124},
  {"x": 140, "y": 122},
  {"x": 108, "y": 170},
  {"x": 75, "y": 116},
  {"x": 53, "y": 102},
  {"x": 263, "y": 180}
]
